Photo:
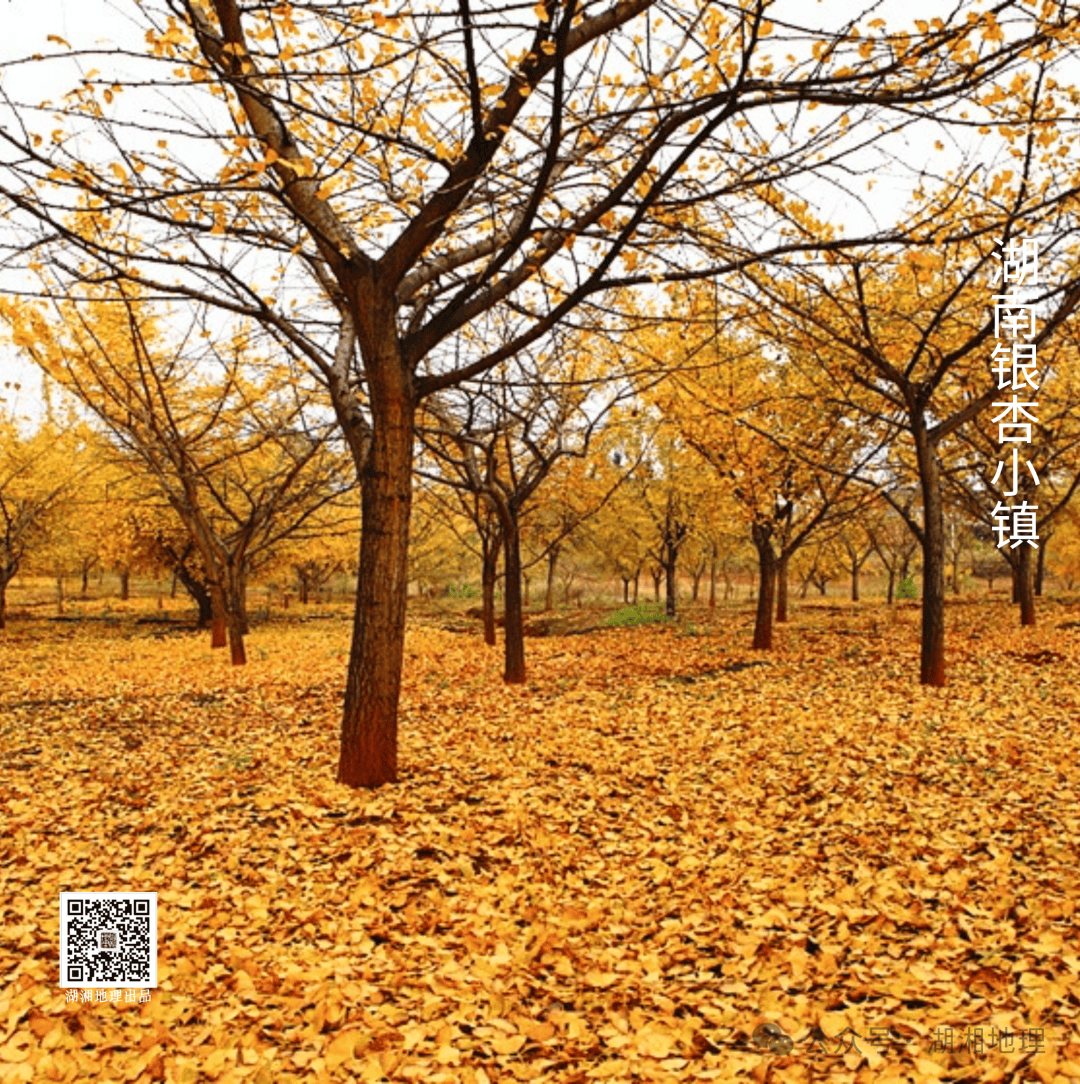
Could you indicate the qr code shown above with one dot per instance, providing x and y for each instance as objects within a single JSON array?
[{"x": 108, "y": 939}]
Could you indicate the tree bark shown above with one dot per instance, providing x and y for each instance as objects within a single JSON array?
[
  {"x": 125, "y": 584},
  {"x": 549, "y": 590},
  {"x": 1026, "y": 586},
  {"x": 781, "y": 577},
  {"x": 368, "y": 755},
  {"x": 489, "y": 573},
  {"x": 763, "y": 623},
  {"x": 932, "y": 657},
  {"x": 670, "y": 586},
  {"x": 514, "y": 674}
]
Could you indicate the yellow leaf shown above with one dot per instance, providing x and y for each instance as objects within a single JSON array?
[
  {"x": 509, "y": 1044},
  {"x": 654, "y": 1042}
]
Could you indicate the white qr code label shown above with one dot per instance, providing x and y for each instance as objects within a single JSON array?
[{"x": 108, "y": 939}]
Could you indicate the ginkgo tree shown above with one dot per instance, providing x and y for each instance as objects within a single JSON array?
[
  {"x": 236, "y": 453},
  {"x": 370, "y": 183},
  {"x": 41, "y": 472},
  {"x": 903, "y": 339}
]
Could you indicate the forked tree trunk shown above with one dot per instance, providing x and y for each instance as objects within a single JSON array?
[
  {"x": 368, "y": 755},
  {"x": 763, "y": 624},
  {"x": 932, "y": 656}
]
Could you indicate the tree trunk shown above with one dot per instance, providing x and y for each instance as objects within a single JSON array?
[
  {"x": 657, "y": 575},
  {"x": 218, "y": 623},
  {"x": 1026, "y": 586},
  {"x": 625, "y": 589},
  {"x": 549, "y": 590},
  {"x": 368, "y": 756},
  {"x": 932, "y": 659},
  {"x": 514, "y": 673},
  {"x": 892, "y": 586},
  {"x": 670, "y": 587},
  {"x": 489, "y": 573},
  {"x": 854, "y": 582},
  {"x": 637, "y": 583},
  {"x": 236, "y": 624},
  {"x": 85, "y": 579},
  {"x": 4, "y": 581},
  {"x": 781, "y": 577},
  {"x": 712, "y": 579},
  {"x": 125, "y": 584},
  {"x": 763, "y": 624},
  {"x": 304, "y": 591}
]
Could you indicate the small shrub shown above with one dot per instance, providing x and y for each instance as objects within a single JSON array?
[
  {"x": 907, "y": 588},
  {"x": 641, "y": 613}
]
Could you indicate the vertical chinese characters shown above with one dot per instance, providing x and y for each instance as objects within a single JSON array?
[{"x": 1017, "y": 371}]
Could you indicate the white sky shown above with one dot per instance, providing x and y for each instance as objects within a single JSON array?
[{"x": 108, "y": 24}]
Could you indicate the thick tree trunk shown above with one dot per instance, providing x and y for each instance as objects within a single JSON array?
[
  {"x": 1026, "y": 586},
  {"x": 218, "y": 622},
  {"x": 514, "y": 673},
  {"x": 368, "y": 756},
  {"x": 932, "y": 660},
  {"x": 782, "y": 588},
  {"x": 892, "y": 586},
  {"x": 236, "y": 624},
  {"x": 763, "y": 624}
]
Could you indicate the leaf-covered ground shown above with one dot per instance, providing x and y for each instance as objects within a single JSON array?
[{"x": 618, "y": 871}]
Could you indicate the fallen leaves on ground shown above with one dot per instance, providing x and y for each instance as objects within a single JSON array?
[{"x": 616, "y": 871}]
